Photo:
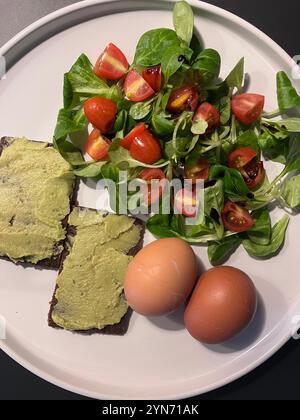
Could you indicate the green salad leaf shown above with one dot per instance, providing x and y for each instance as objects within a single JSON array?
[
  {"x": 162, "y": 126},
  {"x": 69, "y": 122},
  {"x": 121, "y": 158},
  {"x": 234, "y": 184},
  {"x": 170, "y": 62},
  {"x": 248, "y": 139},
  {"x": 220, "y": 251},
  {"x": 160, "y": 225},
  {"x": 261, "y": 232},
  {"x": 110, "y": 171},
  {"x": 277, "y": 240},
  {"x": 140, "y": 110},
  {"x": 69, "y": 152},
  {"x": 289, "y": 124},
  {"x": 70, "y": 100},
  {"x": 293, "y": 156},
  {"x": 287, "y": 95},
  {"x": 199, "y": 127},
  {"x": 273, "y": 143},
  {"x": 121, "y": 122},
  {"x": 290, "y": 192},
  {"x": 92, "y": 170},
  {"x": 183, "y": 19},
  {"x": 225, "y": 109},
  {"x": 214, "y": 204},
  {"x": 235, "y": 79},
  {"x": 84, "y": 82},
  {"x": 208, "y": 64},
  {"x": 152, "y": 46}
]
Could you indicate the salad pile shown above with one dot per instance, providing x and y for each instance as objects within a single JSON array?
[{"x": 169, "y": 115}]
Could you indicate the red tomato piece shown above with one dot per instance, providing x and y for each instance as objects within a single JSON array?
[
  {"x": 155, "y": 190},
  {"x": 197, "y": 168},
  {"x": 253, "y": 173},
  {"x": 101, "y": 112},
  {"x": 241, "y": 157},
  {"x": 146, "y": 148},
  {"x": 186, "y": 202},
  {"x": 136, "y": 88},
  {"x": 182, "y": 99},
  {"x": 245, "y": 160},
  {"x": 248, "y": 107},
  {"x": 236, "y": 218},
  {"x": 97, "y": 146},
  {"x": 137, "y": 131},
  {"x": 112, "y": 64},
  {"x": 153, "y": 77},
  {"x": 210, "y": 114}
]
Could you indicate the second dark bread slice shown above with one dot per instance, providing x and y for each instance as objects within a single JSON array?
[{"x": 89, "y": 293}]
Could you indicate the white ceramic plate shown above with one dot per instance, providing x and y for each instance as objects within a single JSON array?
[{"x": 157, "y": 358}]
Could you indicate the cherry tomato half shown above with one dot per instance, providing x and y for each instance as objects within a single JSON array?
[
  {"x": 112, "y": 64},
  {"x": 137, "y": 131},
  {"x": 210, "y": 114},
  {"x": 241, "y": 157},
  {"x": 101, "y": 112},
  {"x": 196, "y": 168},
  {"x": 97, "y": 145},
  {"x": 248, "y": 107},
  {"x": 245, "y": 160},
  {"x": 153, "y": 77},
  {"x": 136, "y": 88},
  {"x": 236, "y": 218},
  {"x": 145, "y": 148},
  {"x": 186, "y": 202},
  {"x": 155, "y": 190},
  {"x": 253, "y": 173},
  {"x": 182, "y": 99}
]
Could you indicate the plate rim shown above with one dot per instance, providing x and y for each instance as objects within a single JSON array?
[{"x": 284, "y": 337}]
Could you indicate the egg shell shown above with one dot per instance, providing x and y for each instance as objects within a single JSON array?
[
  {"x": 161, "y": 277},
  {"x": 223, "y": 303}
]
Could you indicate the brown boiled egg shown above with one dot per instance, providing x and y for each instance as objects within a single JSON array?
[
  {"x": 161, "y": 277},
  {"x": 223, "y": 304}
]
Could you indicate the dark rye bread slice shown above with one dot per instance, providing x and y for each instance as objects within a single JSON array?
[
  {"x": 54, "y": 262},
  {"x": 117, "y": 329}
]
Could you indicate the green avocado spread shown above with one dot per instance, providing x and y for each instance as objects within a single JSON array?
[
  {"x": 90, "y": 287},
  {"x": 35, "y": 186}
]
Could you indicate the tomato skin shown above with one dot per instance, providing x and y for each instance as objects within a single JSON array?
[
  {"x": 236, "y": 218},
  {"x": 145, "y": 148},
  {"x": 153, "y": 77},
  {"x": 182, "y": 99},
  {"x": 196, "y": 168},
  {"x": 210, "y": 114},
  {"x": 241, "y": 157},
  {"x": 154, "y": 192},
  {"x": 112, "y": 64},
  {"x": 101, "y": 112},
  {"x": 97, "y": 146},
  {"x": 245, "y": 161},
  {"x": 254, "y": 174},
  {"x": 248, "y": 107},
  {"x": 136, "y": 88},
  {"x": 185, "y": 202},
  {"x": 138, "y": 130}
]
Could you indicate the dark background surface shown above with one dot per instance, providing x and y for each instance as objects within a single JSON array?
[{"x": 279, "y": 378}]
